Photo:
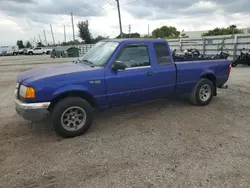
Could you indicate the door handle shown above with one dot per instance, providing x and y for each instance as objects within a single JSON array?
[{"x": 150, "y": 73}]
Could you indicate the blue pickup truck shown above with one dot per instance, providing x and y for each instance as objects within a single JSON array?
[{"x": 114, "y": 72}]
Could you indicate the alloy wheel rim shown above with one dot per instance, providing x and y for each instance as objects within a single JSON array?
[
  {"x": 205, "y": 92},
  {"x": 73, "y": 118}
]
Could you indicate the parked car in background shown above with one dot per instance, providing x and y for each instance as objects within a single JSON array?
[
  {"x": 39, "y": 50},
  {"x": 9, "y": 50},
  {"x": 22, "y": 51},
  {"x": 113, "y": 73}
]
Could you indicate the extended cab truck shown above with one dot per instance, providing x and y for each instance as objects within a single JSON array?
[
  {"x": 38, "y": 50},
  {"x": 113, "y": 73}
]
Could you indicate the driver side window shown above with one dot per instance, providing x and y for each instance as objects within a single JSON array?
[{"x": 134, "y": 56}]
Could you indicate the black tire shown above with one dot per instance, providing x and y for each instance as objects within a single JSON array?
[
  {"x": 234, "y": 64},
  {"x": 195, "y": 97},
  {"x": 30, "y": 53},
  {"x": 62, "y": 106}
]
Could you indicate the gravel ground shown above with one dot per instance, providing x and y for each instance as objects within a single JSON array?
[{"x": 156, "y": 144}]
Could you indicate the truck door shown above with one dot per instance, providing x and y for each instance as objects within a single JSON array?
[
  {"x": 165, "y": 71},
  {"x": 134, "y": 84},
  {"x": 37, "y": 50}
]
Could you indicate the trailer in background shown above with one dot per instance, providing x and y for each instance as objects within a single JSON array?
[{"x": 9, "y": 50}]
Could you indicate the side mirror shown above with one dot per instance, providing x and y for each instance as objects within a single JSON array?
[{"x": 118, "y": 65}]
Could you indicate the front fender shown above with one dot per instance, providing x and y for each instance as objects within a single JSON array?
[{"x": 68, "y": 88}]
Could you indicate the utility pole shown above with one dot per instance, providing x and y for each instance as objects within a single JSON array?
[
  {"x": 64, "y": 34},
  {"x": 129, "y": 30},
  {"x": 45, "y": 38},
  {"x": 120, "y": 21},
  {"x": 52, "y": 34},
  {"x": 72, "y": 20},
  {"x": 148, "y": 29},
  {"x": 35, "y": 41},
  {"x": 40, "y": 38}
]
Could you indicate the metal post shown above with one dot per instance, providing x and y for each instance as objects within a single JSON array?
[
  {"x": 73, "y": 28},
  {"x": 52, "y": 34},
  {"x": 204, "y": 46},
  {"x": 64, "y": 34},
  {"x": 148, "y": 29},
  {"x": 235, "y": 46},
  {"x": 120, "y": 22},
  {"x": 129, "y": 30},
  {"x": 45, "y": 37},
  {"x": 180, "y": 44}
]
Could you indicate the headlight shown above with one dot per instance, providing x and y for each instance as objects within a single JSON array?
[{"x": 27, "y": 92}]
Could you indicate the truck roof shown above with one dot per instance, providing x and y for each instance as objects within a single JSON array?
[{"x": 134, "y": 40}]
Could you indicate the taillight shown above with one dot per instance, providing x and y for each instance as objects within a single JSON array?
[{"x": 229, "y": 68}]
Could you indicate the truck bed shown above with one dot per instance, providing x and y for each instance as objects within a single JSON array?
[{"x": 188, "y": 72}]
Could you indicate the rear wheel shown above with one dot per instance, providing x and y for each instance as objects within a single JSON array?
[
  {"x": 30, "y": 53},
  {"x": 203, "y": 92},
  {"x": 72, "y": 116}
]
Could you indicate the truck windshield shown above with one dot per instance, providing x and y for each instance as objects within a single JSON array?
[{"x": 99, "y": 54}]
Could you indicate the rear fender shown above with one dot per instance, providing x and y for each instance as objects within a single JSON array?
[{"x": 210, "y": 76}]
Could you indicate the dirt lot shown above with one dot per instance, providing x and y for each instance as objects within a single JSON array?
[{"x": 157, "y": 144}]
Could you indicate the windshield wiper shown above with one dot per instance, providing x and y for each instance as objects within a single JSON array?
[{"x": 87, "y": 61}]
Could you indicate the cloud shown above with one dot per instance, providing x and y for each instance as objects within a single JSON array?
[
  {"x": 158, "y": 9},
  {"x": 25, "y": 19},
  {"x": 19, "y": 1},
  {"x": 232, "y": 6}
]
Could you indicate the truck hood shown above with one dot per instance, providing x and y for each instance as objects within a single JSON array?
[{"x": 52, "y": 70}]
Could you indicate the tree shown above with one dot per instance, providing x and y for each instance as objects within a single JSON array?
[
  {"x": 83, "y": 31},
  {"x": 232, "y": 29},
  {"x": 28, "y": 44},
  {"x": 131, "y": 35},
  {"x": 147, "y": 36},
  {"x": 184, "y": 35},
  {"x": 39, "y": 44},
  {"x": 19, "y": 43},
  {"x": 166, "y": 32},
  {"x": 98, "y": 38}
]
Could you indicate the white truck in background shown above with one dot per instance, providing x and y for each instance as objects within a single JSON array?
[
  {"x": 38, "y": 50},
  {"x": 9, "y": 50}
]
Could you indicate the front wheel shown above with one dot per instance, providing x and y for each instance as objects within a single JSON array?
[
  {"x": 203, "y": 92},
  {"x": 72, "y": 116}
]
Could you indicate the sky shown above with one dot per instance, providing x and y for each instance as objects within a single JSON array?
[{"x": 28, "y": 19}]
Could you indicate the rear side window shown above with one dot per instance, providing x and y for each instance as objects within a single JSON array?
[{"x": 162, "y": 54}]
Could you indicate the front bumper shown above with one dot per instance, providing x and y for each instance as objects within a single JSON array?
[{"x": 32, "y": 111}]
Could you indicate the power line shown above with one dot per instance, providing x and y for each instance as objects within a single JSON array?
[
  {"x": 96, "y": 4},
  {"x": 131, "y": 2}
]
